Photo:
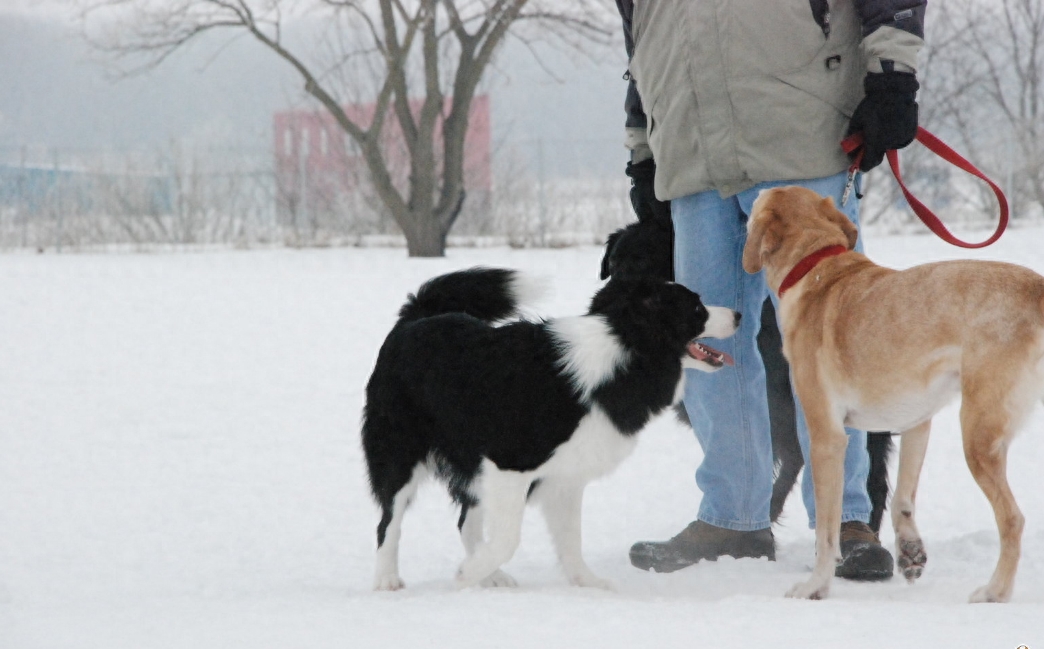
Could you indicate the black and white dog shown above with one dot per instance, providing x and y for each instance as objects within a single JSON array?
[{"x": 502, "y": 413}]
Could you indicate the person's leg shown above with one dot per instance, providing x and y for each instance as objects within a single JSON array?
[{"x": 728, "y": 409}]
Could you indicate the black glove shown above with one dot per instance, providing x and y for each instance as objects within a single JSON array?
[
  {"x": 643, "y": 197},
  {"x": 644, "y": 248},
  {"x": 887, "y": 116}
]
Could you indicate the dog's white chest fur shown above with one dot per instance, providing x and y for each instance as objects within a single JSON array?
[
  {"x": 591, "y": 354},
  {"x": 594, "y": 450}
]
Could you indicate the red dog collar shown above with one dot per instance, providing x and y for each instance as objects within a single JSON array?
[{"x": 807, "y": 264}]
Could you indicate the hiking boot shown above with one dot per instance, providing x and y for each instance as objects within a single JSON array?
[
  {"x": 701, "y": 541},
  {"x": 863, "y": 558}
]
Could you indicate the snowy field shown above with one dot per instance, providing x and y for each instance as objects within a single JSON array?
[{"x": 180, "y": 467}]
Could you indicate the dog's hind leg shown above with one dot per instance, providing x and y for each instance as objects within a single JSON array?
[
  {"x": 561, "y": 502},
  {"x": 909, "y": 548},
  {"x": 986, "y": 438},
  {"x": 389, "y": 530},
  {"x": 471, "y": 536},
  {"x": 502, "y": 496}
]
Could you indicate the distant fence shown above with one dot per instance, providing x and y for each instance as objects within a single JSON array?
[
  {"x": 543, "y": 193},
  {"x": 57, "y": 199}
]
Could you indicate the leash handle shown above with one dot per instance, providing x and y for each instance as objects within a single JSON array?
[{"x": 854, "y": 143}]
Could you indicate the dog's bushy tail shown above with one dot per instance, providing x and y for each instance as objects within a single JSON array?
[
  {"x": 489, "y": 294},
  {"x": 880, "y": 447}
]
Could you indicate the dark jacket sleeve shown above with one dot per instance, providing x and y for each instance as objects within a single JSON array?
[
  {"x": 632, "y": 103},
  {"x": 905, "y": 15},
  {"x": 893, "y": 33}
]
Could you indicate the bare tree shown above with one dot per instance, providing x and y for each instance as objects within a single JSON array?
[
  {"x": 983, "y": 81},
  {"x": 419, "y": 62},
  {"x": 1007, "y": 38}
]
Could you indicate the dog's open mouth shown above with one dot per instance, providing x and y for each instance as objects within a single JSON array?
[{"x": 708, "y": 354}]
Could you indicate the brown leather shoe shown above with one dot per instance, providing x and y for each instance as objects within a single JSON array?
[
  {"x": 863, "y": 558},
  {"x": 700, "y": 541}
]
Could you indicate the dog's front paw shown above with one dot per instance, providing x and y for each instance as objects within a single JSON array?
[
  {"x": 911, "y": 558},
  {"x": 472, "y": 574},
  {"x": 499, "y": 579},
  {"x": 591, "y": 580},
  {"x": 811, "y": 589},
  {"x": 388, "y": 582}
]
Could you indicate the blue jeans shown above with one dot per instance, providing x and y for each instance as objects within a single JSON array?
[{"x": 728, "y": 408}]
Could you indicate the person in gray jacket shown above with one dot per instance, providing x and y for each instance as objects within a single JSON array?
[{"x": 726, "y": 98}]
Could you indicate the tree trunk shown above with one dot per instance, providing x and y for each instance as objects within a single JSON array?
[{"x": 425, "y": 236}]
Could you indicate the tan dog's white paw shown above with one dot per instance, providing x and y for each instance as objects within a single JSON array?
[
  {"x": 985, "y": 594},
  {"x": 811, "y": 589},
  {"x": 591, "y": 580}
]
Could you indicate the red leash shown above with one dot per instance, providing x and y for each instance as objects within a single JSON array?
[{"x": 854, "y": 142}]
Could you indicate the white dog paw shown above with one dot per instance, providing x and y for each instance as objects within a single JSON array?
[
  {"x": 499, "y": 579},
  {"x": 985, "y": 594},
  {"x": 388, "y": 582},
  {"x": 592, "y": 581},
  {"x": 811, "y": 589}
]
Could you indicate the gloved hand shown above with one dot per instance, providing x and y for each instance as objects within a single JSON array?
[
  {"x": 887, "y": 116},
  {"x": 644, "y": 248},
  {"x": 643, "y": 197}
]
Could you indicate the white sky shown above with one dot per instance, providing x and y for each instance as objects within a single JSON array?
[{"x": 63, "y": 9}]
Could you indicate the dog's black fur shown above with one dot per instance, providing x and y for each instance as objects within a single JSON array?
[
  {"x": 451, "y": 389},
  {"x": 644, "y": 248},
  {"x": 628, "y": 251}
]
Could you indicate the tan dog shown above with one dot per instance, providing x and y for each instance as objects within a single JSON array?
[{"x": 876, "y": 348}]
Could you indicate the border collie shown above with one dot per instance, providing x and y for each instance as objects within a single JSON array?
[{"x": 505, "y": 412}]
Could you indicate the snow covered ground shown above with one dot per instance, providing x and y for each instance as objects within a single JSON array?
[{"x": 180, "y": 467}]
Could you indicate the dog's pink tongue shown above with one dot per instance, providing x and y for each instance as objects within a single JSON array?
[{"x": 706, "y": 353}]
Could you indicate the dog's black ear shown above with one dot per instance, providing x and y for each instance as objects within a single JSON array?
[{"x": 610, "y": 245}]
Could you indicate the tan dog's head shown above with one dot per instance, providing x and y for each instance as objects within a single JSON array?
[{"x": 786, "y": 225}]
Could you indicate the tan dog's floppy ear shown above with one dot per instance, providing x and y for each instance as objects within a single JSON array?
[
  {"x": 835, "y": 215},
  {"x": 760, "y": 242}
]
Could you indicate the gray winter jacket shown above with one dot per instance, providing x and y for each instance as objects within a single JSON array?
[{"x": 730, "y": 93}]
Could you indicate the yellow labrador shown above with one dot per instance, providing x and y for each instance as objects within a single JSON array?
[{"x": 877, "y": 348}]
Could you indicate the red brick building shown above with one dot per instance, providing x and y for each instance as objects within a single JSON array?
[{"x": 319, "y": 169}]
